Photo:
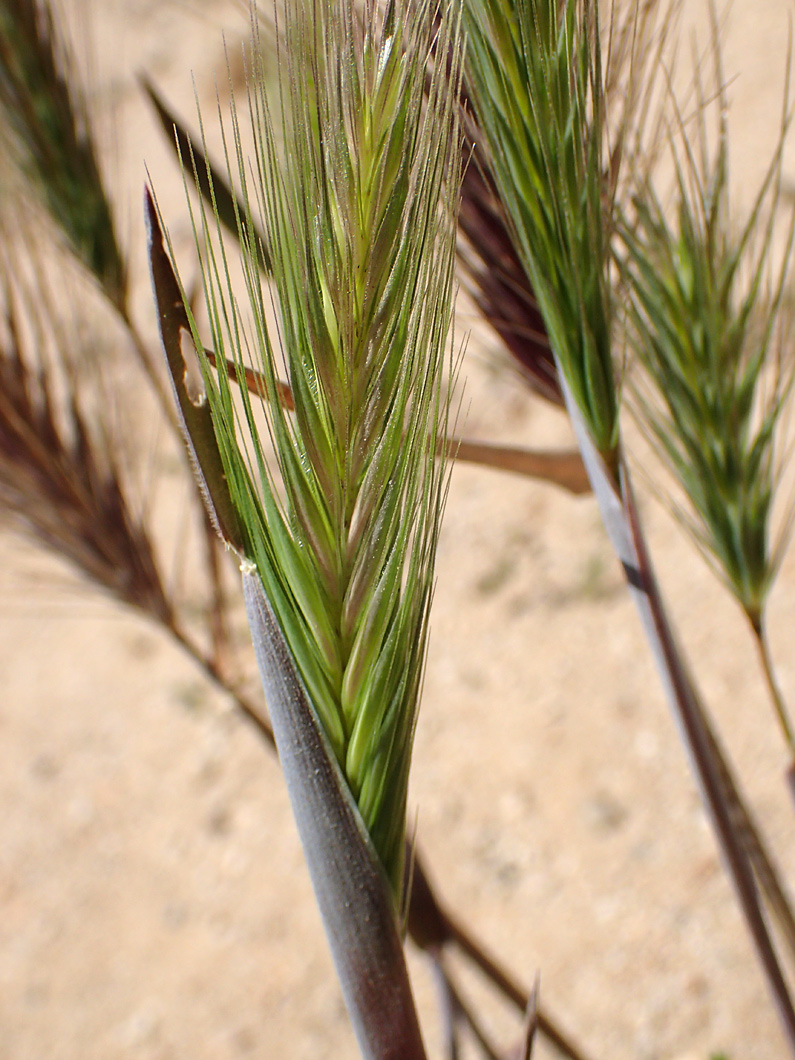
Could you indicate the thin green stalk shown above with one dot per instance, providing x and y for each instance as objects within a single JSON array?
[{"x": 773, "y": 687}]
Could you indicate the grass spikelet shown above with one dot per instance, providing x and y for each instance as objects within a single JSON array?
[
  {"x": 359, "y": 214},
  {"x": 51, "y": 132},
  {"x": 534, "y": 73},
  {"x": 490, "y": 256},
  {"x": 706, "y": 310}
]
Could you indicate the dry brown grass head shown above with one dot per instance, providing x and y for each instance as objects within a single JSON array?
[{"x": 62, "y": 463}]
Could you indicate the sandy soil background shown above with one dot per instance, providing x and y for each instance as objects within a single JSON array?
[{"x": 153, "y": 899}]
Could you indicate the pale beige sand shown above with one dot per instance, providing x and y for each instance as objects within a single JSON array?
[{"x": 153, "y": 900}]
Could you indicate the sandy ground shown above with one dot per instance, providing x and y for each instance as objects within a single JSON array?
[{"x": 153, "y": 899}]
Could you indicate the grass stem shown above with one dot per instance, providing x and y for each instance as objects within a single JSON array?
[
  {"x": 691, "y": 719},
  {"x": 464, "y": 1011},
  {"x": 432, "y": 927},
  {"x": 767, "y": 873},
  {"x": 773, "y": 687}
]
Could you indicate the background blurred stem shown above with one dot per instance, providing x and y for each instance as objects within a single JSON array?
[
  {"x": 433, "y": 927},
  {"x": 461, "y": 1010},
  {"x": 766, "y": 871},
  {"x": 564, "y": 469},
  {"x": 690, "y": 715}
]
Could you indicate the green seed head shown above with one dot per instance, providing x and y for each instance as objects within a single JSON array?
[{"x": 342, "y": 519}]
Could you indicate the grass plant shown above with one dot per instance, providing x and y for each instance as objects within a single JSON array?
[
  {"x": 364, "y": 314},
  {"x": 535, "y": 73},
  {"x": 316, "y": 402},
  {"x": 343, "y": 544},
  {"x": 708, "y": 316}
]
